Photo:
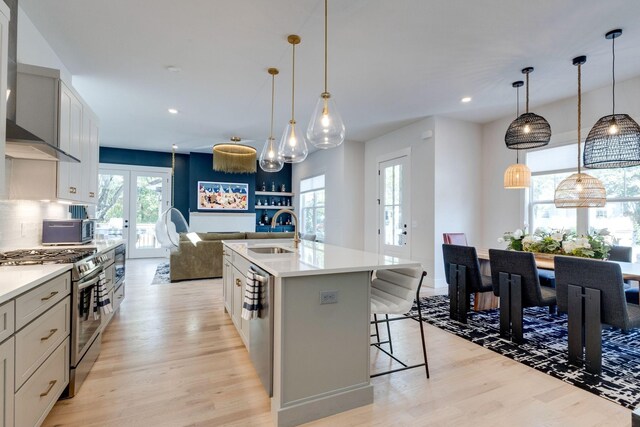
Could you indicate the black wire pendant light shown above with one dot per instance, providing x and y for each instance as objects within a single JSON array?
[
  {"x": 614, "y": 141},
  {"x": 529, "y": 130}
]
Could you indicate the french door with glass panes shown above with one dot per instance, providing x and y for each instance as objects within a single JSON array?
[
  {"x": 130, "y": 201},
  {"x": 394, "y": 236}
]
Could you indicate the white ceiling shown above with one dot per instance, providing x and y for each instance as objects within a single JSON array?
[{"x": 390, "y": 62}]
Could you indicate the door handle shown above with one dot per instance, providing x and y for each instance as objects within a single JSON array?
[
  {"x": 51, "y": 332},
  {"x": 51, "y": 384},
  {"x": 404, "y": 232},
  {"x": 51, "y": 295}
]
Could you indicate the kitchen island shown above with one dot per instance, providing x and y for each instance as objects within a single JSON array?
[{"x": 319, "y": 318}]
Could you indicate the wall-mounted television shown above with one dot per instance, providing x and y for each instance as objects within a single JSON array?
[{"x": 223, "y": 196}]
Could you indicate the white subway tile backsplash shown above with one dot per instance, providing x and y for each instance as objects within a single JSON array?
[{"x": 21, "y": 222}]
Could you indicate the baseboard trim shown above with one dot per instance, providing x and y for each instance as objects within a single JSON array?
[{"x": 323, "y": 407}]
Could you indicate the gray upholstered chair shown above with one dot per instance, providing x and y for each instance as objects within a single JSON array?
[
  {"x": 592, "y": 292},
  {"x": 462, "y": 281},
  {"x": 515, "y": 280}
]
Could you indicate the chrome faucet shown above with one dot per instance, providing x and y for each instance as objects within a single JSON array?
[{"x": 296, "y": 238}]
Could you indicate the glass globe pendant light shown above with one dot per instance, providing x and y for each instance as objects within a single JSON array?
[
  {"x": 326, "y": 129},
  {"x": 270, "y": 160},
  {"x": 293, "y": 147},
  {"x": 518, "y": 175},
  {"x": 580, "y": 190},
  {"x": 614, "y": 141},
  {"x": 528, "y": 130}
]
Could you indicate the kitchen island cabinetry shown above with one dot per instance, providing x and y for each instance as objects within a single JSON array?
[
  {"x": 52, "y": 110},
  {"x": 310, "y": 347},
  {"x": 34, "y": 352},
  {"x": 234, "y": 280}
]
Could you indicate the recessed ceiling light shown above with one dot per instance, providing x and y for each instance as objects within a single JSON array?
[
  {"x": 172, "y": 111},
  {"x": 174, "y": 69},
  {"x": 466, "y": 99}
]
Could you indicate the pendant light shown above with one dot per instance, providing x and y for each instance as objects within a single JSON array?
[
  {"x": 518, "y": 175},
  {"x": 233, "y": 157},
  {"x": 293, "y": 147},
  {"x": 614, "y": 141},
  {"x": 326, "y": 129},
  {"x": 529, "y": 130},
  {"x": 580, "y": 190},
  {"x": 270, "y": 160}
]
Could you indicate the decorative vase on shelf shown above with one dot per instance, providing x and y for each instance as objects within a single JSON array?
[
  {"x": 264, "y": 186},
  {"x": 283, "y": 188},
  {"x": 273, "y": 186}
]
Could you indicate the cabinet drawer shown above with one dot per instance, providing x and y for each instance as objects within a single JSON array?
[
  {"x": 241, "y": 264},
  {"x": 110, "y": 277},
  {"x": 38, "y": 300},
  {"x": 36, "y": 342},
  {"x": 6, "y": 383},
  {"x": 106, "y": 318},
  {"x": 38, "y": 395},
  {"x": 7, "y": 320},
  {"x": 118, "y": 297}
]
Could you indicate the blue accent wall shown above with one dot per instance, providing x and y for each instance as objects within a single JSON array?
[
  {"x": 194, "y": 167},
  {"x": 123, "y": 156},
  {"x": 201, "y": 169}
]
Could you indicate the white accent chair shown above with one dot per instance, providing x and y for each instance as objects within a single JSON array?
[{"x": 393, "y": 292}]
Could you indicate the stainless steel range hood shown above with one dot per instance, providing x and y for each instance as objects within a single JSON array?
[{"x": 22, "y": 144}]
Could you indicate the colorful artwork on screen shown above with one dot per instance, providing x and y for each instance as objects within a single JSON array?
[{"x": 223, "y": 196}]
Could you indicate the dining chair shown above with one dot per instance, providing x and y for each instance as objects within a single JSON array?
[
  {"x": 455, "y": 239},
  {"x": 462, "y": 272},
  {"x": 515, "y": 280},
  {"x": 393, "y": 292},
  {"x": 591, "y": 292}
]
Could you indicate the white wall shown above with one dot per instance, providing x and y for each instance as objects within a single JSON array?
[
  {"x": 34, "y": 49},
  {"x": 503, "y": 210},
  {"x": 21, "y": 222},
  {"x": 458, "y": 189},
  {"x": 445, "y": 187},
  {"x": 342, "y": 167},
  {"x": 422, "y": 188}
]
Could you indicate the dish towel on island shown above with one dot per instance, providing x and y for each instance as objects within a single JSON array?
[
  {"x": 251, "y": 305},
  {"x": 101, "y": 301}
]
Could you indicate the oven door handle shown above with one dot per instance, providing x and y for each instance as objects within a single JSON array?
[{"x": 89, "y": 283}]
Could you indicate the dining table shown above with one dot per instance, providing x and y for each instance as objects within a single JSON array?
[
  {"x": 486, "y": 300},
  {"x": 630, "y": 270}
]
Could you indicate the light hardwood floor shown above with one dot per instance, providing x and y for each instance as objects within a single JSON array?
[{"x": 171, "y": 357}]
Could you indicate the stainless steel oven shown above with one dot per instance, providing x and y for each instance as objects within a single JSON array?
[{"x": 85, "y": 325}]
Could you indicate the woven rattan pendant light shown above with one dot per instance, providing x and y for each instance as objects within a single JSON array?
[
  {"x": 517, "y": 176},
  {"x": 580, "y": 190},
  {"x": 233, "y": 157},
  {"x": 614, "y": 141},
  {"x": 528, "y": 130}
]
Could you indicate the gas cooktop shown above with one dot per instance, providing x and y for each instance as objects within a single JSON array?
[{"x": 45, "y": 256}]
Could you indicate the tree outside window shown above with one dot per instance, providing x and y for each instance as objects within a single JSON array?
[{"x": 312, "y": 206}]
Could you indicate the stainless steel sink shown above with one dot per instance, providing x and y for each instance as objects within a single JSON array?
[{"x": 270, "y": 250}]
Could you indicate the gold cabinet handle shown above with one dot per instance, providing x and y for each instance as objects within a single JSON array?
[
  {"x": 72, "y": 190},
  {"x": 51, "y": 384},
  {"x": 120, "y": 296},
  {"x": 51, "y": 295},
  {"x": 92, "y": 194},
  {"x": 51, "y": 332},
  {"x": 238, "y": 282}
]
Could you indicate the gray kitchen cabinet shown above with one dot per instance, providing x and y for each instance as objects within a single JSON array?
[
  {"x": 7, "y": 359},
  {"x": 52, "y": 110}
]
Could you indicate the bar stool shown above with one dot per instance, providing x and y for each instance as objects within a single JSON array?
[{"x": 393, "y": 292}]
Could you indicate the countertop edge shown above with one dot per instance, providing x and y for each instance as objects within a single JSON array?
[
  {"x": 34, "y": 283},
  {"x": 315, "y": 272}
]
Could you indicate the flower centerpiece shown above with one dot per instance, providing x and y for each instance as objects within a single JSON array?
[{"x": 559, "y": 242}]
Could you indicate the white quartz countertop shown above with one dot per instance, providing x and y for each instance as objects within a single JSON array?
[
  {"x": 313, "y": 258},
  {"x": 100, "y": 246},
  {"x": 18, "y": 279}
]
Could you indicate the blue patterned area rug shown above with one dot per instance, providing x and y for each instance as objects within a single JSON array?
[
  {"x": 162, "y": 275},
  {"x": 545, "y": 348}
]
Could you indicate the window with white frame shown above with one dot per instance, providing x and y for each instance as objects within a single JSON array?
[
  {"x": 312, "y": 208},
  {"x": 621, "y": 214}
]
